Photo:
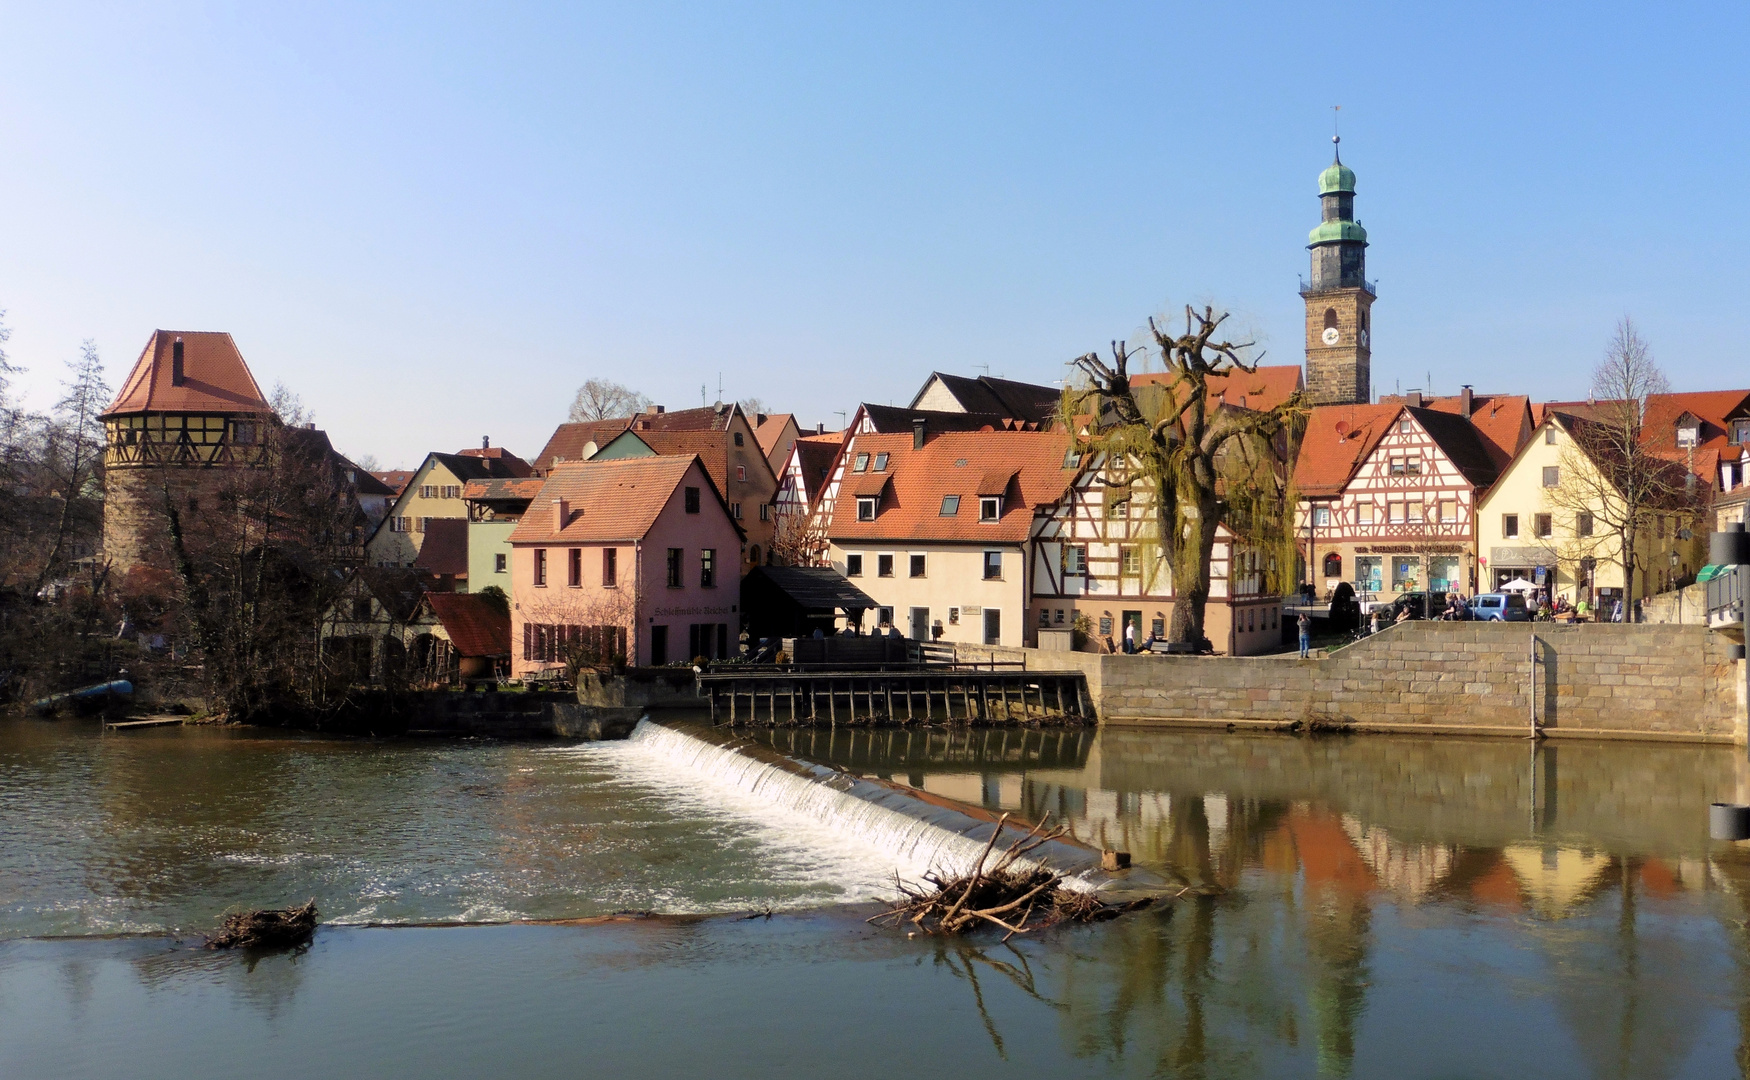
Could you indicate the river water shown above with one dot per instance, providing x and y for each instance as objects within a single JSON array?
[{"x": 1393, "y": 907}]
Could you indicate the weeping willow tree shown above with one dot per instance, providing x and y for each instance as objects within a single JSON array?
[{"x": 1206, "y": 461}]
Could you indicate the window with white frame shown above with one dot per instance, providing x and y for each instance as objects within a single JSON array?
[
  {"x": 866, "y": 508},
  {"x": 990, "y": 507}
]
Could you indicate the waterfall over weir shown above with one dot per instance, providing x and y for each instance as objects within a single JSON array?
[{"x": 919, "y": 830}]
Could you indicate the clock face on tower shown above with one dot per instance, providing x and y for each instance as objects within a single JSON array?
[
  {"x": 1330, "y": 335},
  {"x": 1364, "y": 339}
]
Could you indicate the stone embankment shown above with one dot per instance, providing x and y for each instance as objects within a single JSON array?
[{"x": 1596, "y": 680}]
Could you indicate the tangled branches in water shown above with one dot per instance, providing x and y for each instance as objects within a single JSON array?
[
  {"x": 266, "y": 929},
  {"x": 1006, "y": 894}
]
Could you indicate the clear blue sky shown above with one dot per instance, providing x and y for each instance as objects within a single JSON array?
[{"x": 434, "y": 222}]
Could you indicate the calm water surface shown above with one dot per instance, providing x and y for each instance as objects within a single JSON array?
[{"x": 1394, "y": 907}]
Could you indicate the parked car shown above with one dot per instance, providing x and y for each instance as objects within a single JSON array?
[
  {"x": 1417, "y": 604},
  {"x": 1500, "y": 607}
]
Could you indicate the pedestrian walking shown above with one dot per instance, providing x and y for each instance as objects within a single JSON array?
[{"x": 1305, "y": 624}]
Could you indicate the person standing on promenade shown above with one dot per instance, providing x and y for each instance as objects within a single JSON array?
[{"x": 1305, "y": 624}]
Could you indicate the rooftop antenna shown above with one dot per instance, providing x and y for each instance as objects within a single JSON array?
[
  {"x": 719, "y": 386},
  {"x": 986, "y": 368},
  {"x": 840, "y": 413},
  {"x": 702, "y": 401}
]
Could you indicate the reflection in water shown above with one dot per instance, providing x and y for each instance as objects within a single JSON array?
[
  {"x": 1385, "y": 907},
  {"x": 1312, "y": 836}
]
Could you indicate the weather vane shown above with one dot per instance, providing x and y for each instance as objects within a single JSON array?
[{"x": 1336, "y": 114}]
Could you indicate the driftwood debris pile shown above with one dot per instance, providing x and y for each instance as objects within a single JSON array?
[
  {"x": 266, "y": 928},
  {"x": 1013, "y": 897}
]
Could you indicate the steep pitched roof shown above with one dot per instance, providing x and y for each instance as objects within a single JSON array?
[
  {"x": 616, "y": 500},
  {"x": 1262, "y": 390},
  {"x": 493, "y": 453},
  {"x": 395, "y": 480},
  {"x": 466, "y": 467},
  {"x": 707, "y": 446},
  {"x": 769, "y": 432},
  {"x": 1503, "y": 420},
  {"x": 215, "y": 378},
  {"x": 475, "y": 625},
  {"x": 815, "y": 454},
  {"x": 1002, "y": 397},
  {"x": 956, "y": 463},
  {"x": 1338, "y": 439},
  {"x": 1460, "y": 441},
  {"x": 568, "y": 441},
  {"x": 367, "y": 483},
  {"x": 445, "y": 550}
]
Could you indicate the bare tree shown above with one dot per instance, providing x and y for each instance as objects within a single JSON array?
[
  {"x": 601, "y": 399},
  {"x": 73, "y": 458},
  {"x": 1202, "y": 462},
  {"x": 579, "y": 629},
  {"x": 1614, "y": 485},
  {"x": 752, "y": 407},
  {"x": 794, "y": 540}
]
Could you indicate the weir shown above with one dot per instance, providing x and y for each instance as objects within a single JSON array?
[
  {"x": 923, "y": 693},
  {"x": 915, "y": 827}
]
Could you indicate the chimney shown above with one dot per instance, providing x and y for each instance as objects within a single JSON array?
[
  {"x": 485, "y": 442},
  {"x": 176, "y": 363},
  {"x": 820, "y": 428},
  {"x": 758, "y": 419},
  {"x": 654, "y": 409},
  {"x": 1413, "y": 398},
  {"x": 561, "y": 514},
  {"x": 917, "y": 433},
  {"x": 1464, "y": 397}
]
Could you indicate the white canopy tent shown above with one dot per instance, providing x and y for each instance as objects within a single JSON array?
[{"x": 1518, "y": 584}]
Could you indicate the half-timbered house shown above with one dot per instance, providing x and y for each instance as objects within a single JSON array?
[{"x": 1388, "y": 496}]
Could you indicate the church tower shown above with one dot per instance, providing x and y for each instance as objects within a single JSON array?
[{"x": 1339, "y": 297}]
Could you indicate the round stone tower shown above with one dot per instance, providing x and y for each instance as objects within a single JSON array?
[
  {"x": 187, "y": 417},
  {"x": 1339, "y": 298}
]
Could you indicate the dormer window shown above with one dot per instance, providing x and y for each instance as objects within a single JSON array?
[
  {"x": 1072, "y": 460},
  {"x": 861, "y": 464},
  {"x": 1689, "y": 434},
  {"x": 990, "y": 507},
  {"x": 866, "y": 508},
  {"x": 881, "y": 462},
  {"x": 1740, "y": 433}
]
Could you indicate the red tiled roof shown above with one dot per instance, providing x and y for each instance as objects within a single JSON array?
[
  {"x": 445, "y": 548},
  {"x": 707, "y": 446},
  {"x": 1338, "y": 439},
  {"x": 502, "y": 489},
  {"x": 768, "y": 433},
  {"x": 215, "y": 378},
  {"x": 569, "y": 440},
  {"x": 1503, "y": 421},
  {"x": 815, "y": 454},
  {"x": 956, "y": 463},
  {"x": 475, "y": 625},
  {"x": 1263, "y": 389},
  {"x": 1711, "y": 407},
  {"x": 615, "y": 500},
  {"x": 395, "y": 480},
  {"x": 708, "y": 418}
]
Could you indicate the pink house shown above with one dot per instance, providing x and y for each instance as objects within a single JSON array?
[{"x": 638, "y": 555}]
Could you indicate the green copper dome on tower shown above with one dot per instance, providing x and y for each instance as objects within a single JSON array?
[{"x": 1339, "y": 177}]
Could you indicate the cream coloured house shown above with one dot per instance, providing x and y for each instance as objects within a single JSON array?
[
  {"x": 1523, "y": 531},
  {"x": 435, "y": 492}
]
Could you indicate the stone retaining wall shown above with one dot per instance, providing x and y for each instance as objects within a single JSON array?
[{"x": 1599, "y": 680}]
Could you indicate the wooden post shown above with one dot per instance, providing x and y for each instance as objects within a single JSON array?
[
  {"x": 1060, "y": 709},
  {"x": 832, "y": 703},
  {"x": 1003, "y": 689},
  {"x": 731, "y": 704}
]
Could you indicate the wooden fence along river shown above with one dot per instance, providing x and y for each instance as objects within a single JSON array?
[{"x": 929, "y": 687}]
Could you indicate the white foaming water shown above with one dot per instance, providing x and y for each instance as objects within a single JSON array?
[{"x": 820, "y": 804}]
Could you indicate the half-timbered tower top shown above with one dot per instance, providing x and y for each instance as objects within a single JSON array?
[{"x": 189, "y": 372}]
